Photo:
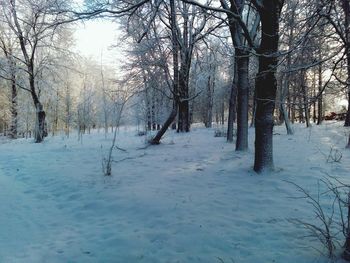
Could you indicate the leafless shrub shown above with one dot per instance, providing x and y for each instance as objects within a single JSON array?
[
  {"x": 107, "y": 166},
  {"x": 323, "y": 229},
  {"x": 341, "y": 191},
  {"x": 334, "y": 155},
  {"x": 331, "y": 223}
]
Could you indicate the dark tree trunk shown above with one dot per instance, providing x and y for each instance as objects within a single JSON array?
[
  {"x": 252, "y": 123},
  {"x": 346, "y": 9},
  {"x": 319, "y": 99},
  {"x": 55, "y": 122},
  {"x": 266, "y": 85},
  {"x": 293, "y": 105},
  {"x": 14, "y": 113},
  {"x": 160, "y": 133},
  {"x": 222, "y": 112},
  {"x": 301, "y": 108},
  {"x": 40, "y": 127},
  {"x": 314, "y": 112},
  {"x": 241, "y": 76},
  {"x": 243, "y": 98},
  {"x": 232, "y": 108},
  {"x": 346, "y": 253},
  {"x": 184, "y": 117},
  {"x": 185, "y": 49},
  {"x": 209, "y": 108},
  {"x": 183, "y": 103}
]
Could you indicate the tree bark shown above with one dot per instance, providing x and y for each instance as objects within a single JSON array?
[
  {"x": 266, "y": 85},
  {"x": 305, "y": 104},
  {"x": 209, "y": 107},
  {"x": 14, "y": 112},
  {"x": 283, "y": 110},
  {"x": 183, "y": 103},
  {"x": 40, "y": 126},
  {"x": 232, "y": 107},
  {"x": 160, "y": 133},
  {"x": 243, "y": 98},
  {"x": 346, "y": 10},
  {"x": 320, "y": 99}
]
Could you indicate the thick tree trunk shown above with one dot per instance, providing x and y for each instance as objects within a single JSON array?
[
  {"x": 232, "y": 108},
  {"x": 183, "y": 103},
  {"x": 266, "y": 85},
  {"x": 346, "y": 253},
  {"x": 242, "y": 99},
  {"x": 40, "y": 127},
  {"x": 40, "y": 131},
  {"x": 346, "y": 10},
  {"x": 184, "y": 117}
]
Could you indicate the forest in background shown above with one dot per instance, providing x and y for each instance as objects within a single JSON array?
[{"x": 253, "y": 63}]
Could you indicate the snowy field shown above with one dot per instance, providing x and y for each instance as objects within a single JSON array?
[{"x": 191, "y": 199}]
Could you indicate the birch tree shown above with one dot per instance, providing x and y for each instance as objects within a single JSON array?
[{"x": 34, "y": 25}]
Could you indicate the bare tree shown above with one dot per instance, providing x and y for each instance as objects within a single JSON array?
[
  {"x": 8, "y": 48},
  {"x": 34, "y": 25},
  {"x": 266, "y": 84}
]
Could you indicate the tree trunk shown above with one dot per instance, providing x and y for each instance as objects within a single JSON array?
[
  {"x": 232, "y": 108},
  {"x": 346, "y": 9},
  {"x": 319, "y": 99},
  {"x": 209, "y": 108},
  {"x": 293, "y": 105},
  {"x": 160, "y": 133},
  {"x": 222, "y": 112},
  {"x": 40, "y": 127},
  {"x": 252, "y": 123},
  {"x": 183, "y": 104},
  {"x": 183, "y": 121},
  {"x": 242, "y": 99},
  {"x": 266, "y": 85},
  {"x": 14, "y": 113},
  {"x": 283, "y": 110},
  {"x": 67, "y": 110},
  {"x": 305, "y": 104},
  {"x": 314, "y": 112}
]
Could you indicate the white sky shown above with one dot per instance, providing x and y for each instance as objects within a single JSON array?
[{"x": 94, "y": 38}]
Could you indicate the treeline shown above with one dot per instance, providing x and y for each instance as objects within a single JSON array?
[{"x": 253, "y": 63}]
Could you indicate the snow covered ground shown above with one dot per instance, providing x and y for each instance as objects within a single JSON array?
[{"x": 190, "y": 199}]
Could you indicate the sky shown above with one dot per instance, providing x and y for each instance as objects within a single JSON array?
[{"x": 94, "y": 39}]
